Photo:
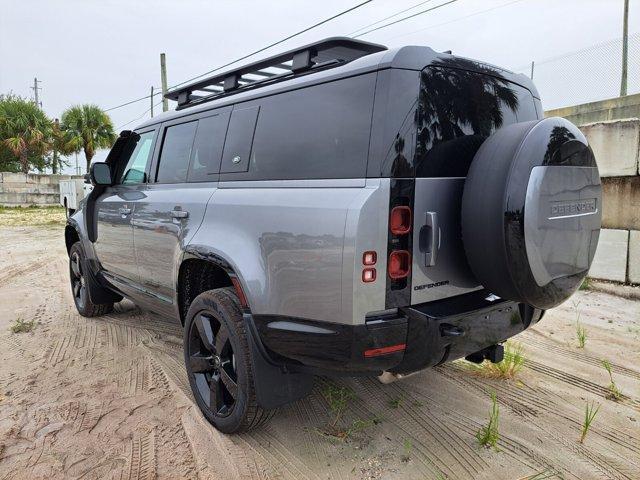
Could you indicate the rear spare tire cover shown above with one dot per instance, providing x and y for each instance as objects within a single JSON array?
[{"x": 531, "y": 211}]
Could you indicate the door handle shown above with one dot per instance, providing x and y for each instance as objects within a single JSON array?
[
  {"x": 124, "y": 211},
  {"x": 430, "y": 239},
  {"x": 180, "y": 214}
]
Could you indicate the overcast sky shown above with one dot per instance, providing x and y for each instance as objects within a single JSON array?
[{"x": 107, "y": 51}]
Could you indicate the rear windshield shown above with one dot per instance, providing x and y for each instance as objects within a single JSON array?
[{"x": 457, "y": 110}]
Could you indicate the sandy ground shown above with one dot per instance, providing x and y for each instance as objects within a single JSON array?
[{"x": 107, "y": 398}]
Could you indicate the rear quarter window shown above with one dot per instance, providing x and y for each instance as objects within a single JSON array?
[
  {"x": 207, "y": 148},
  {"x": 312, "y": 133}
]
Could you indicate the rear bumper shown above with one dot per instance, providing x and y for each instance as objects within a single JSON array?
[{"x": 431, "y": 333}]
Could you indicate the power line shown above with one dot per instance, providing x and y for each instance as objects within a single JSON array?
[
  {"x": 344, "y": 12},
  {"x": 138, "y": 118},
  {"x": 132, "y": 101},
  {"x": 464, "y": 17},
  {"x": 390, "y": 16},
  {"x": 274, "y": 44},
  {"x": 405, "y": 18}
]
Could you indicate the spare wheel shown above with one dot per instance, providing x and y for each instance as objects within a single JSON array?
[{"x": 531, "y": 211}]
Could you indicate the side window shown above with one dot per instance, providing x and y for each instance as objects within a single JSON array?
[
  {"x": 312, "y": 133},
  {"x": 176, "y": 151},
  {"x": 134, "y": 170},
  {"x": 207, "y": 148},
  {"x": 237, "y": 148}
]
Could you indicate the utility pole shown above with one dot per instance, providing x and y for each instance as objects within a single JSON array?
[
  {"x": 163, "y": 75},
  {"x": 151, "y": 97},
  {"x": 625, "y": 49},
  {"x": 532, "y": 65},
  {"x": 35, "y": 89}
]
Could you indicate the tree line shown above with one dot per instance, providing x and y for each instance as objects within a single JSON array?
[{"x": 30, "y": 140}]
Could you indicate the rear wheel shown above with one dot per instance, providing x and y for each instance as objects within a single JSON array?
[
  {"x": 79, "y": 288},
  {"x": 218, "y": 362}
]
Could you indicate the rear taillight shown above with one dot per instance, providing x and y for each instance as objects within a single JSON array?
[
  {"x": 399, "y": 264},
  {"x": 400, "y": 220}
]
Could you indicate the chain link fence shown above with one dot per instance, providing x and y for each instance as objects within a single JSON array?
[{"x": 587, "y": 75}]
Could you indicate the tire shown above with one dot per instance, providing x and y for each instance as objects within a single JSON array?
[
  {"x": 218, "y": 362},
  {"x": 532, "y": 211},
  {"x": 79, "y": 290}
]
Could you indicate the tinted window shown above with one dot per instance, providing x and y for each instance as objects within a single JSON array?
[
  {"x": 133, "y": 171},
  {"x": 315, "y": 132},
  {"x": 207, "y": 148},
  {"x": 237, "y": 147},
  {"x": 458, "y": 109},
  {"x": 176, "y": 151}
]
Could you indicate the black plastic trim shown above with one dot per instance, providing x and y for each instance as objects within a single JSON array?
[
  {"x": 331, "y": 347},
  {"x": 433, "y": 333}
]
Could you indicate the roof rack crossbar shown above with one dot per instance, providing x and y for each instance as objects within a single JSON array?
[{"x": 325, "y": 53}]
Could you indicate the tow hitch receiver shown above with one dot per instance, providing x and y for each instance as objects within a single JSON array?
[{"x": 494, "y": 353}]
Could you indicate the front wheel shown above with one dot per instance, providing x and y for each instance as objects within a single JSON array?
[
  {"x": 216, "y": 353},
  {"x": 79, "y": 288}
]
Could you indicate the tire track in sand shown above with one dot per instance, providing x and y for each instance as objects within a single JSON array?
[
  {"x": 529, "y": 338},
  {"x": 579, "y": 382},
  {"x": 142, "y": 461},
  {"x": 14, "y": 273}
]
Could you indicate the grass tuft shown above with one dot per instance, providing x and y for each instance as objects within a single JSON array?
[
  {"x": 590, "y": 413},
  {"x": 586, "y": 284},
  {"x": 21, "y": 326},
  {"x": 581, "y": 334},
  {"x": 513, "y": 361},
  {"x": 581, "y": 331},
  {"x": 407, "y": 446},
  {"x": 338, "y": 399},
  {"x": 488, "y": 435},
  {"x": 614, "y": 392}
]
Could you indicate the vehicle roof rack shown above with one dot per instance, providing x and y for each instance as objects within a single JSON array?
[{"x": 327, "y": 53}]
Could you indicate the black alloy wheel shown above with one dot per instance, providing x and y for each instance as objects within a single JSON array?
[
  {"x": 218, "y": 362},
  {"x": 212, "y": 363},
  {"x": 79, "y": 287}
]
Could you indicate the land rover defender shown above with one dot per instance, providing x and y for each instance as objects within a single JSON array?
[{"x": 338, "y": 209}]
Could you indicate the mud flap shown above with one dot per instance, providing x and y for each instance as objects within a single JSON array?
[
  {"x": 274, "y": 386},
  {"x": 98, "y": 294}
]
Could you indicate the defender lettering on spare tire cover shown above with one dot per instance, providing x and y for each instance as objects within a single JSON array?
[{"x": 531, "y": 211}]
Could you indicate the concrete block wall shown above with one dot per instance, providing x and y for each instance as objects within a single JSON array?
[
  {"x": 616, "y": 145},
  {"x": 600, "y": 111},
  {"x": 20, "y": 189}
]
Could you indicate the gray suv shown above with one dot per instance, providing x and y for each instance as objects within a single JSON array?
[{"x": 341, "y": 208}]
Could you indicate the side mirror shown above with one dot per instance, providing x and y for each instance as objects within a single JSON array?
[
  {"x": 87, "y": 178},
  {"x": 100, "y": 174}
]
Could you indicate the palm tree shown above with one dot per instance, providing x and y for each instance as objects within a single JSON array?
[
  {"x": 90, "y": 127},
  {"x": 25, "y": 131},
  {"x": 64, "y": 143}
]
